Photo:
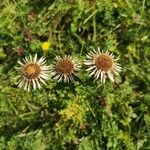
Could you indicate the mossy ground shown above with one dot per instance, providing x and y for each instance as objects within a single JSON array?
[{"x": 85, "y": 114}]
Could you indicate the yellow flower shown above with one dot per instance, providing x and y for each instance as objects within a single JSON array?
[{"x": 45, "y": 46}]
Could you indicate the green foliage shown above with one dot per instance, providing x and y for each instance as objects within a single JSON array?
[{"x": 85, "y": 114}]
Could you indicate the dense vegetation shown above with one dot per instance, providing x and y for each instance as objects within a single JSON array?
[{"x": 83, "y": 114}]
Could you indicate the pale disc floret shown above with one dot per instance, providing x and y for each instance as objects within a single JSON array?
[
  {"x": 33, "y": 73},
  {"x": 102, "y": 65},
  {"x": 63, "y": 69}
]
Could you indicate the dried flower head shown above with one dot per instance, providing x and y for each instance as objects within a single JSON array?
[
  {"x": 64, "y": 68},
  {"x": 102, "y": 64},
  {"x": 33, "y": 73}
]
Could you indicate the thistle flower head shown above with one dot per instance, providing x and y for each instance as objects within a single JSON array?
[
  {"x": 64, "y": 68},
  {"x": 32, "y": 73},
  {"x": 102, "y": 64}
]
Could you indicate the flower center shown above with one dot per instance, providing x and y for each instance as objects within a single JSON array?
[
  {"x": 103, "y": 62},
  {"x": 32, "y": 71},
  {"x": 64, "y": 66}
]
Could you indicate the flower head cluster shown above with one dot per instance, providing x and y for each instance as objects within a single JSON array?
[{"x": 34, "y": 72}]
